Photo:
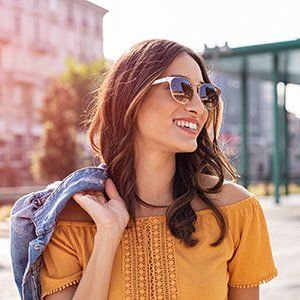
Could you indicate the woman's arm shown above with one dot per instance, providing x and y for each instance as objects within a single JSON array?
[
  {"x": 251, "y": 293},
  {"x": 95, "y": 280},
  {"x": 111, "y": 218},
  {"x": 96, "y": 277}
]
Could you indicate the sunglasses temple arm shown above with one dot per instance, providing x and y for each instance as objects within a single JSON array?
[{"x": 161, "y": 80}]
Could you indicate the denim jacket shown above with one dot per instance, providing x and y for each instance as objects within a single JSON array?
[{"x": 32, "y": 221}]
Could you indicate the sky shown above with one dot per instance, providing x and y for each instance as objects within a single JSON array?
[{"x": 195, "y": 23}]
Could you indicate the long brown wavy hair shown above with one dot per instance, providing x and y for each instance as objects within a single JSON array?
[{"x": 112, "y": 124}]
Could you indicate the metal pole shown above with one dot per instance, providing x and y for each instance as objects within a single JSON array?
[
  {"x": 245, "y": 162},
  {"x": 285, "y": 123},
  {"x": 276, "y": 160},
  {"x": 286, "y": 153}
]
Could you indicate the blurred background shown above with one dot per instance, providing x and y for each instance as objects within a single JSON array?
[{"x": 54, "y": 54}]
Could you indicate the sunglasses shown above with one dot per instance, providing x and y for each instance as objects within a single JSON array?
[{"x": 182, "y": 91}]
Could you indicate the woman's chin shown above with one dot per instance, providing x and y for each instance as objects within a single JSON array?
[{"x": 187, "y": 148}]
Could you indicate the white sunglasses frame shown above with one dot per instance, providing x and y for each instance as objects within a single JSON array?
[{"x": 169, "y": 79}]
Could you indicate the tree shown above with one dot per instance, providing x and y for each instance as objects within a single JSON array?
[
  {"x": 85, "y": 79},
  {"x": 56, "y": 151},
  {"x": 66, "y": 101}
]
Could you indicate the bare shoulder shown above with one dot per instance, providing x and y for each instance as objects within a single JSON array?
[
  {"x": 231, "y": 192},
  {"x": 74, "y": 212}
]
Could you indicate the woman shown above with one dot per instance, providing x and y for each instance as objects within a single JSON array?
[{"x": 196, "y": 234}]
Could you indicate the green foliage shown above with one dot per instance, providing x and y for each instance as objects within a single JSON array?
[
  {"x": 85, "y": 79},
  {"x": 56, "y": 152},
  {"x": 67, "y": 98}
]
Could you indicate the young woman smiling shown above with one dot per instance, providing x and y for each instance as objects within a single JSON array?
[{"x": 172, "y": 223}]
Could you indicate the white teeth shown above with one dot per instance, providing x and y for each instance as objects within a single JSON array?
[{"x": 187, "y": 124}]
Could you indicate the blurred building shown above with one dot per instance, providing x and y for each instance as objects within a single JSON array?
[
  {"x": 261, "y": 86},
  {"x": 36, "y": 36}
]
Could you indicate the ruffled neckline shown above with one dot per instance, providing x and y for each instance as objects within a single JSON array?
[{"x": 163, "y": 217}]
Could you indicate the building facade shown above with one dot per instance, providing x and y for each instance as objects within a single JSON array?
[{"x": 36, "y": 36}]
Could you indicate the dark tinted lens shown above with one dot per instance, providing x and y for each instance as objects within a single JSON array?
[
  {"x": 182, "y": 89},
  {"x": 209, "y": 95}
]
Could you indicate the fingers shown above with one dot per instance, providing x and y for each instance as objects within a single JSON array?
[
  {"x": 98, "y": 196},
  {"x": 111, "y": 189},
  {"x": 93, "y": 195}
]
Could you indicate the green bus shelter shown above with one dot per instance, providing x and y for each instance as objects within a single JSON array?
[{"x": 278, "y": 62}]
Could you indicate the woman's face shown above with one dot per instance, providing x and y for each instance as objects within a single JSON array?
[{"x": 155, "y": 121}]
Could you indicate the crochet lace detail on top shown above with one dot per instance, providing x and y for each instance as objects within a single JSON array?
[{"x": 149, "y": 265}]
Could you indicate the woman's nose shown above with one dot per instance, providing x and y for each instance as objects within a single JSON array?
[{"x": 196, "y": 104}]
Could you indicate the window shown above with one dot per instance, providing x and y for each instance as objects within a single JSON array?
[
  {"x": 70, "y": 14},
  {"x": 52, "y": 5},
  {"x": 98, "y": 26},
  {"x": 17, "y": 147},
  {"x": 18, "y": 95},
  {"x": 1, "y": 53},
  {"x": 36, "y": 30},
  {"x": 17, "y": 23},
  {"x": 84, "y": 18},
  {"x": 1, "y": 93}
]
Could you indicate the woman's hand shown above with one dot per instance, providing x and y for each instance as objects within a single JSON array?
[{"x": 109, "y": 215}]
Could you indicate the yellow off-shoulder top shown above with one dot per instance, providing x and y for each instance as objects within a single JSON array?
[{"x": 162, "y": 267}]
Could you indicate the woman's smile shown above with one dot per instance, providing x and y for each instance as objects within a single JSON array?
[{"x": 187, "y": 130}]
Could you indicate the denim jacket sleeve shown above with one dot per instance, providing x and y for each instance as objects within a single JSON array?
[
  {"x": 22, "y": 229},
  {"x": 32, "y": 221}
]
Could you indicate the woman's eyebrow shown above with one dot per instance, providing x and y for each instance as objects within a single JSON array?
[{"x": 175, "y": 75}]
